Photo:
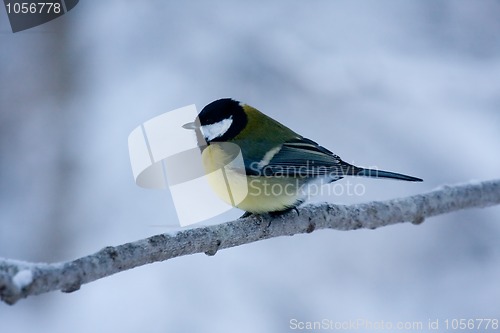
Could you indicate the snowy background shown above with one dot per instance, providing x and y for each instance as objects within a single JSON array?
[{"x": 407, "y": 86}]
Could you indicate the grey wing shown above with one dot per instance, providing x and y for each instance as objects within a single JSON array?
[{"x": 305, "y": 158}]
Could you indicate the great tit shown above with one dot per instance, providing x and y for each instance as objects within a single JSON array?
[{"x": 279, "y": 165}]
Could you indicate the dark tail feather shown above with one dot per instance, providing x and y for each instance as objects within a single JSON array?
[
  {"x": 386, "y": 174},
  {"x": 352, "y": 170}
]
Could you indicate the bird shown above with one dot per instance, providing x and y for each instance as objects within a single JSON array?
[{"x": 279, "y": 165}]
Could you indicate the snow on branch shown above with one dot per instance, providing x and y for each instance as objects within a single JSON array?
[{"x": 22, "y": 279}]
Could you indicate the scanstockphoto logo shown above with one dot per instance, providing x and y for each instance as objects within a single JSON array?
[
  {"x": 164, "y": 154},
  {"x": 28, "y": 14}
]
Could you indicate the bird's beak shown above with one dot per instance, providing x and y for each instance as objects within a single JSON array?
[{"x": 190, "y": 126}]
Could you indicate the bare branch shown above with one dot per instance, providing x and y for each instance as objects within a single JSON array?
[{"x": 21, "y": 279}]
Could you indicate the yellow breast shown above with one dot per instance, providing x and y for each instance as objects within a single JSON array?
[{"x": 256, "y": 194}]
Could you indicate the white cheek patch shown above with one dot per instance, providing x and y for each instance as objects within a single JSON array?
[{"x": 216, "y": 130}]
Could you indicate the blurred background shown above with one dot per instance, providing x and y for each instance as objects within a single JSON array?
[{"x": 407, "y": 86}]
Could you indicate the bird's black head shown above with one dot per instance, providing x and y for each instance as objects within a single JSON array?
[{"x": 222, "y": 120}]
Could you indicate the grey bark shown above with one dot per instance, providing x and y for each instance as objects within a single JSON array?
[{"x": 22, "y": 279}]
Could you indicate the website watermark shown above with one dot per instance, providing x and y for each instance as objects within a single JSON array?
[{"x": 431, "y": 324}]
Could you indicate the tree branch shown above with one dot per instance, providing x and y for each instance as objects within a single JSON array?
[{"x": 21, "y": 279}]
